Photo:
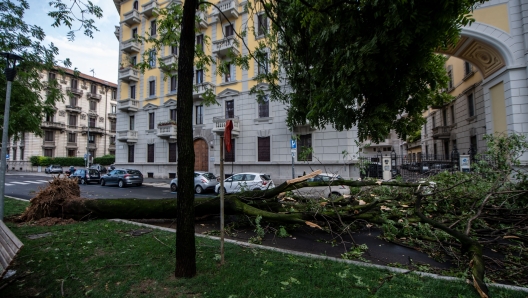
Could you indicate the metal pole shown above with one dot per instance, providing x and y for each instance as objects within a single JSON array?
[
  {"x": 88, "y": 142},
  {"x": 5, "y": 140},
  {"x": 293, "y": 165},
  {"x": 222, "y": 200}
]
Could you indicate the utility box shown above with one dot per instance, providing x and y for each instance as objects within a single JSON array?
[{"x": 465, "y": 163}]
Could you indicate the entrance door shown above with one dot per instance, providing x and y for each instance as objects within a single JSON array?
[{"x": 201, "y": 155}]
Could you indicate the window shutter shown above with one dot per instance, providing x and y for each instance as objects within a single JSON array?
[{"x": 264, "y": 149}]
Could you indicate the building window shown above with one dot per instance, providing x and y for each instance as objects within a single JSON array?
[
  {"x": 467, "y": 68},
  {"x": 471, "y": 105},
  {"x": 48, "y": 152},
  {"x": 305, "y": 147},
  {"x": 130, "y": 153},
  {"x": 229, "y": 31},
  {"x": 174, "y": 50},
  {"x": 114, "y": 94},
  {"x": 473, "y": 143},
  {"x": 21, "y": 153},
  {"x": 199, "y": 76},
  {"x": 263, "y": 65},
  {"x": 72, "y": 137},
  {"x": 152, "y": 88},
  {"x": 91, "y": 140},
  {"x": 434, "y": 122},
  {"x": 264, "y": 149},
  {"x": 131, "y": 123},
  {"x": 263, "y": 107},
  {"x": 199, "y": 114},
  {"x": 91, "y": 121},
  {"x": 72, "y": 152},
  {"x": 93, "y": 89},
  {"x": 136, "y": 5},
  {"x": 230, "y": 109},
  {"x": 73, "y": 83},
  {"x": 200, "y": 42},
  {"x": 172, "y": 152},
  {"x": 173, "y": 114},
  {"x": 152, "y": 59},
  {"x": 112, "y": 140},
  {"x": 111, "y": 152},
  {"x": 150, "y": 153},
  {"x": 113, "y": 109},
  {"x": 14, "y": 154},
  {"x": 151, "y": 120},
  {"x": 227, "y": 76},
  {"x": 133, "y": 92},
  {"x": 452, "y": 108},
  {"x": 49, "y": 117},
  {"x": 450, "y": 83},
  {"x": 435, "y": 151},
  {"x": 73, "y": 101},
  {"x": 446, "y": 149},
  {"x": 72, "y": 120},
  {"x": 112, "y": 126},
  {"x": 134, "y": 32},
  {"x": 93, "y": 105},
  {"x": 262, "y": 24},
  {"x": 230, "y": 156},
  {"x": 133, "y": 60},
  {"x": 52, "y": 76},
  {"x": 153, "y": 27},
  {"x": 48, "y": 136},
  {"x": 444, "y": 116},
  {"x": 173, "y": 83}
]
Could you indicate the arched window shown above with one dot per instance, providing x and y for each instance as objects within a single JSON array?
[{"x": 136, "y": 5}]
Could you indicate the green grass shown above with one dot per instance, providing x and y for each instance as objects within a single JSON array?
[{"x": 100, "y": 259}]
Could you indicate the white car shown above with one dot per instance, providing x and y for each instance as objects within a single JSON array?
[
  {"x": 334, "y": 189},
  {"x": 246, "y": 181}
]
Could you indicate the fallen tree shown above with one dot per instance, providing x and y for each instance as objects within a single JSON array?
[{"x": 451, "y": 215}]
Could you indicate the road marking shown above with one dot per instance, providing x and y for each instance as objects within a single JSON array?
[
  {"x": 37, "y": 182},
  {"x": 43, "y": 181},
  {"x": 7, "y": 184},
  {"x": 22, "y": 183}
]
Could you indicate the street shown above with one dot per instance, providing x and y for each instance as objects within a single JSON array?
[{"x": 25, "y": 186}]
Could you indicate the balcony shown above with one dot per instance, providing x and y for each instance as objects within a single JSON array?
[
  {"x": 93, "y": 130},
  {"x": 112, "y": 116},
  {"x": 167, "y": 131},
  {"x": 200, "y": 89},
  {"x": 132, "y": 17},
  {"x": 92, "y": 146},
  {"x": 53, "y": 125},
  {"x": 112, "y": 146},
  {"x": 130, "y": 46},
  {"x": 128, "y": 105},
  {"x": 95, "y": 96},
  {"x": 415, "y": 144},
  {"x": 220, "y": 122},
  {"x": 221, "y": 47},
  {"x": 169, "y": 60},
  {"x": 149, "y": 7},
  {"x": 72, "y": 127},
  {"x": 74, "y": 91},
  {"x": 442, "y": 132},
  {"x": 228, "y": 7},
  {"x": 176, "y": 2},
  {"x": 203, "y": 19},
  {"x": 73, "y": 109},
  {"x": 129, "y": 75},
  {"x": 49, "y": 144},
  {"x": 71, "y": 145},
  {"x": 129, "y": 136}
]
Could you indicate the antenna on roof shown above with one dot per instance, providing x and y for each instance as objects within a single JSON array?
[{"x": 93, "y": 72}]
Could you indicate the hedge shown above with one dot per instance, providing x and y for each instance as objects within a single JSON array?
[{"x": 69, "y": 161}]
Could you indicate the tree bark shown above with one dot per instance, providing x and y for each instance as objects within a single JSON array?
[{"x": 185, "y": 242}]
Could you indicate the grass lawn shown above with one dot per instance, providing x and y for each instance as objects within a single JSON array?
[{"x": 101, "y": 259}]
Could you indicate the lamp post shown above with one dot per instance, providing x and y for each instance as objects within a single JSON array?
[
  {"x": 10, "y": 72},
  {"x": 87, "y": 140}
]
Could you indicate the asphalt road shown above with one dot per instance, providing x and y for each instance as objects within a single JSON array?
[{"x": 26, "y": 186}]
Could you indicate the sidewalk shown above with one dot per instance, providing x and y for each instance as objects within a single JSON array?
[{"x": 155, "y": 182}]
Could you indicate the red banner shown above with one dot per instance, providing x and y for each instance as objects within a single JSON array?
[{"x": 227, "y": 134}]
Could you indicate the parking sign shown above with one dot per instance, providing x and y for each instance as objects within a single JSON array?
[{"x": 293, "y": 144}]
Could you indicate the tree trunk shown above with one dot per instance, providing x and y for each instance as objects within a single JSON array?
[{"x": 185, "y": 243}]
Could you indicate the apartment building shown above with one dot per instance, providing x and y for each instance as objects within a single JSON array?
[
  {"x": 84, "y": 123},
  {"x": 488, "y": 79},
  {"x": 146, "y": 132}
]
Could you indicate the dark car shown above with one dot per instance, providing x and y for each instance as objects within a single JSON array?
[
  {"x": 53, "y": 169},
  {"x": 99, "y": 167},
  {"x": 86, "y": 176},
  {"x": 122, "y": 178}
]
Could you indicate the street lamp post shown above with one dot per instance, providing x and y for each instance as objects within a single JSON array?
[
  {"x": 87, "y": 140},
  {"x": 10, "y": 72}
]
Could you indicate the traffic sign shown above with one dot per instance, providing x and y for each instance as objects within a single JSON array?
[
  {"x": 293, "y": 145},
  {"x": 7, "y": 156}
]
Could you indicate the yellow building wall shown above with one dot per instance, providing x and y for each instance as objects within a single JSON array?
[
  {"x": 496, "y": 16},
  {"x": 498, "y": 107},
  {"x": 460, "y": 81}
]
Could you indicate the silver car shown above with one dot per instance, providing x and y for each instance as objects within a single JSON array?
[
  {"x": 332, "y": 190},
  {"x": 122, "y": 177},
  {"x": 203, "y": 181},
  {"x": 246, "y": 181}
]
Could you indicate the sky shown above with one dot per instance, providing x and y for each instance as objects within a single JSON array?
[{"x": 85, "y": 53}]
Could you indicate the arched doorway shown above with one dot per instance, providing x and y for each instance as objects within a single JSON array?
[{"x": 201, "y": 155}]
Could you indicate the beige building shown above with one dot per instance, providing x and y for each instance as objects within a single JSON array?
[{"x": 85, "y": 122}]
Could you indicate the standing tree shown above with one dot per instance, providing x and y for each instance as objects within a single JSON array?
[{"x": 28, "y": 106}]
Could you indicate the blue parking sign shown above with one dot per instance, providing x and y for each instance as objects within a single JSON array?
[
  {"x": 7, "y": 156},
  {"x": 293, "y": 144}
]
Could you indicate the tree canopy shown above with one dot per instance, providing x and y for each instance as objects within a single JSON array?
[
  {"x": 365, "y": 64},
  {"x": 28, "y": 106}
]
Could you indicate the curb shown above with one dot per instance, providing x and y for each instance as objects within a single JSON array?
[{"x": 357, "y": 263}]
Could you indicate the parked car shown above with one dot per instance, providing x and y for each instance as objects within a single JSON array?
[
  {"x": 122, "y": 178},
  {"x": 86, "y": 176},
  {"x": 203, "y": 181},
  {"x": 99, "y": 167},
  {"x": 375, "y": 170},
  {"x": 332, "y": 190},
  {"x": 246, "y": 181},
  {"x": 53, "y": 169}
]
